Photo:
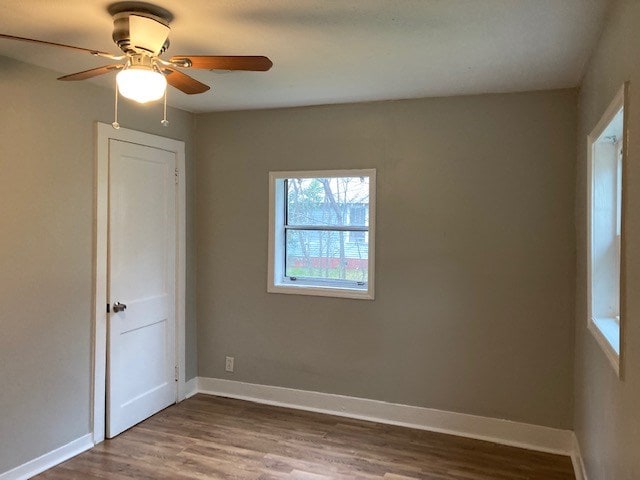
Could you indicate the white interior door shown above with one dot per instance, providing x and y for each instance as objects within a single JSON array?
[{"x": 141, "y": 361}]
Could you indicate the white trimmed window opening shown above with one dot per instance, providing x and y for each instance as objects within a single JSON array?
[
  {"x": 322, "y": 233},
  {"x": 606, "y": 154}
]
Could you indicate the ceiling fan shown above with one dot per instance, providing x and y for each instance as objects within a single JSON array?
[{"x": 141, "y": 31}]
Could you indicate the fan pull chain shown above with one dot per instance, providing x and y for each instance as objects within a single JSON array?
[
  {"x": 115, "y": 123},
  {"x": 165, "y": 122}
]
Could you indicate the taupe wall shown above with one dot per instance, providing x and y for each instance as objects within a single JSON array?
[
  {"x": 46, "y": 215},
  {"x": 475, "y": 254},
  {"x": 606, "y": 413}
]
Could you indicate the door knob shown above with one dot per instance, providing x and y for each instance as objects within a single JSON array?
[{"x": 119, "y": 307}]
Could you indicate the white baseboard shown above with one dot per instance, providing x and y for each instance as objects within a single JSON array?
[
  {"x": 578, "y": 461},
  {"x": 190, "y": 387},
  {"x": 48, "y": 460},
  {"x": 505, "y": 432}
]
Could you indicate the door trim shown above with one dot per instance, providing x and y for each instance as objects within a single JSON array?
[{"x": 104, "y": 133}]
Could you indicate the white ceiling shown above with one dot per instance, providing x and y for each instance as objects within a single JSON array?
[{"x": 336, "y": 51}]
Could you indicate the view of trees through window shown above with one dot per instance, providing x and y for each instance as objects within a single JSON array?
[{"x": 327, "y": 223}]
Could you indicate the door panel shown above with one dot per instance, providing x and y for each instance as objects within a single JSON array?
[{"x": 142, "y": 258}]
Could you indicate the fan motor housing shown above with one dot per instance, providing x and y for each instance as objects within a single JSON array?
[{"x": 121, "y": 31}]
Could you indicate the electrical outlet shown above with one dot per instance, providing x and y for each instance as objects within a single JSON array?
[{"x": 228, "y": 366}]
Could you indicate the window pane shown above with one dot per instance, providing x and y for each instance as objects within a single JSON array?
[
  {"x": 325, "y": 254},
  {"x": 338, "y": 201}
]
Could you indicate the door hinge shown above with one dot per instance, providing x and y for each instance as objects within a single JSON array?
[
  {"x": 176, "y": 173},
  {"x": 176, "y": 373}
]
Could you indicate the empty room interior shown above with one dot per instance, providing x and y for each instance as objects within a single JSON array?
[{"x": 320, "y": 240}]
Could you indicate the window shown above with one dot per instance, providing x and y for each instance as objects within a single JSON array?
[
  {"x": 322, "y": 233},
  {"x": 606, "y": 151},
  {"x": 357, "y": 216}
]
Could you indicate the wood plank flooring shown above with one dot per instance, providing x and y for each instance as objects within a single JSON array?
[{"x": 208, "y": 437}]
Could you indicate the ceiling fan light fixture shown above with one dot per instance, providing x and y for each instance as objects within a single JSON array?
[{"x": 141, "y": 84}]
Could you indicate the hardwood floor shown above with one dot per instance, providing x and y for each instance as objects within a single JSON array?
[{"x": 209, "y": 437}]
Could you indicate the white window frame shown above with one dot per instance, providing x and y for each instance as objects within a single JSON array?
[
  {"x": 607, "y": 330},
  {"x": 277, "y": 282}
]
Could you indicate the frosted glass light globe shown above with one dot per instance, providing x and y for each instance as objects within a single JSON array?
[{"x": 141, "y": 84}]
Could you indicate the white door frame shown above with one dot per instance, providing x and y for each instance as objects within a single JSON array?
[{"x": 105, "y": 132}]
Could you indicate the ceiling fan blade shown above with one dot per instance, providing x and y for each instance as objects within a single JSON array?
[
  {"x": 94, "y": 72},
  {"x": 184, "y": 82},
  {"x": 53, "y": 44},
  {"x": 225, "y": 62}
]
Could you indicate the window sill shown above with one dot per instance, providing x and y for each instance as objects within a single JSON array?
[
  {"x": 606, "y": 331},
  {"x": 321, "y": 291}
]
